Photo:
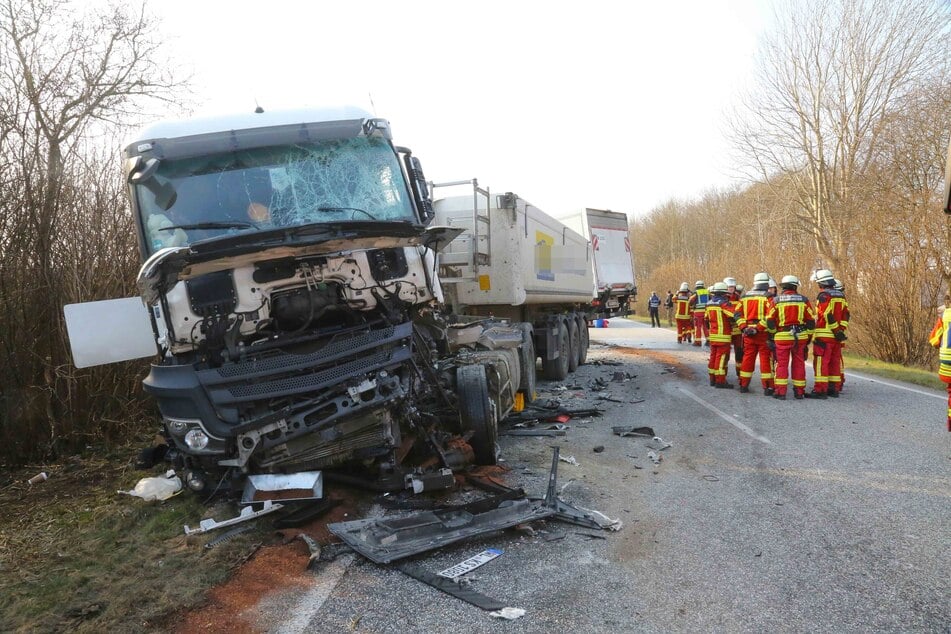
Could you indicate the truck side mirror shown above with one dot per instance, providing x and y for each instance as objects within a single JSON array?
[{"x": 420, "y": 189}]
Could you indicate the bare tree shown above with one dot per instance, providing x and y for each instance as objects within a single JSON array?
[
  {"x": 832, "y": 73},
  {"x": 68, "y": 71}
]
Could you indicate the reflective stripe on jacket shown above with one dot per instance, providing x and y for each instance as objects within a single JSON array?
[
  {"x": 941, "y": 339},
  {"x": 699, "y": 299},
  {"x": 720, "y": 315},
  {"x": 754, "y": 308},
  {"x": 791, "y": 317},
  {"x": 832, "y": 313},
  {"x": 682, "y": 305}
]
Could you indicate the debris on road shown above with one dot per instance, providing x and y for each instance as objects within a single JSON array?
[
  {"x": 654, "y": 457},
  {"x": 286, "y": 487},
  {"x": 598, "y": 449},
  {"x": 508, "y": 613},
  {"x": 470, "y": 564},
  {"x": 247, "y": 513},
  {"x": 630, "y": 430},
  {"x": 313, "y": 547},
  {"x": 39, "y": 477},
  {"x": 658, "y": 443},
  {"x": 157, "y": 488},
  {"x": 227, "y": 535},
  {"x": 420, "y": 482},
  {"x": 570, "y": 460},
  {"x": 451, "y": 587}
]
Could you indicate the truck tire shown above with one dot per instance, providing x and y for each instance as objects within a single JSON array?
[
  {"x": 585, "y": 339},
  {"x": 475, "y": 412},
  {"x": 527, "y": 357},
  {"x": 574, "y": 339},
  {"x": 557, "y": 369}
]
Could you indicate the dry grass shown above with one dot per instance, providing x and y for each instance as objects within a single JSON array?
[{"x": 75, "y": 555}]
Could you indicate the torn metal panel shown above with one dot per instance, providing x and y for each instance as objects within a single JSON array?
[
  {"x": 630, "y": 430},
  {"x": 247, "y": 513},
  {"x": 568, "y": 513},
  {"x": 387, "y": 539}
]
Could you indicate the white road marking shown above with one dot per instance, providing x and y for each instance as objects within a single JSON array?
[
  {"x": 743, "y": 428},
  {"x": 896, "y": 386}
]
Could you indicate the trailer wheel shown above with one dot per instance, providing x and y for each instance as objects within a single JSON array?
[
  {"x": 557, "y": 369},
  {"x": 475, "y": 412},
  {"x": 585, "y": 339},
  {"x": 527, "y": 356},
  {"x": 574, "y": 340}
]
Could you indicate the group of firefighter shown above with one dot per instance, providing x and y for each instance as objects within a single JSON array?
[{"x": 774, "y": 325}]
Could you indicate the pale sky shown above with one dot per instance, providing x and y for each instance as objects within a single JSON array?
[{"x": 612, "y": 105}]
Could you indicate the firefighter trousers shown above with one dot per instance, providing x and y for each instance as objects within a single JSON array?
[
  {"x": 790, "y": 362},
  {"x": 719, "y": 358},
  {"x": 701, "y": 331},
  {"x": 826, "y": 362},
  {"x": 755, "y": 347},
  {"x": 684, "y": 329}
]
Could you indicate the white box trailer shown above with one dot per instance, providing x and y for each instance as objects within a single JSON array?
[
  {"x": 613, "y": 258},
  {"x": 516, "y": 262}
]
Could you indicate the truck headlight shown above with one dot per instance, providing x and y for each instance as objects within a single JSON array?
[{"x": 196, "y": 440}]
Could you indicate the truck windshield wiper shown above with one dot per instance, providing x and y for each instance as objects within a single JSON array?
[
  {"x": 212, "y": 225},
  {"x": 331, "y": 208}
]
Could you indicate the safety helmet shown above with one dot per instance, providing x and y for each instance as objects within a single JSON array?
[
  {"x": 718, "y": 288},
  {"x": 699, "y": 284},
  {"x": 729, "y": 281},
  {"x": 685, "y": 287},
  {"x": 772, "y": 283},
  {"x": 760, "y": 277},
  {"x": 824, "y": 277},
  {"x": 740, "y": 288},
  {"x": 839, "y": 286},
  {"x": 790, "y": 280}
]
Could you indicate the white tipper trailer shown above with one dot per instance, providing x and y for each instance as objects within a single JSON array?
[
  {"x": 613, "y": 258},
  {"x": 516, "y": 262}
]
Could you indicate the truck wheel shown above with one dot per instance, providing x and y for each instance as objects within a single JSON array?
[
  {"x": 557, "y": 369},
  {"x": 574, "y": 341},
  {"x": 475, "y": 412},
  {"x": 527, "y": 356},
  {"x": 585, "y": 339}
]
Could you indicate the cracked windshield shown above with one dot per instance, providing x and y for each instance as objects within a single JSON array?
[{"x": 348, "y": 180}]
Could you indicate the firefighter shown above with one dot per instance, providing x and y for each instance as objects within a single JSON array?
[
  {"x": 839, "y": 286},
  {"x": 682, "y": 314},
  {"x": 792, "y": 320},
  {"x": 832, "y": 320},
  {"x": 771, "y": 289},
  {"x": 720, "y": 318},
  {"x": 751, "y": 321},
  {"x": 698, "y": 307},
  {"x": 941, "y": 339},
  {"x": 733, "y": 292}
]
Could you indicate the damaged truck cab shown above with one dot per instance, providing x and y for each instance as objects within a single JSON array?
[{"x": 290, "y": 276}]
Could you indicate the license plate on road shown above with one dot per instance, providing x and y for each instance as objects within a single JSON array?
[{"x": 471, "y": 563}]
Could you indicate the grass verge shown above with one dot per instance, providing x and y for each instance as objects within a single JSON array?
[
  {"x": 893, "y": 371},
  {"x": 77, "y": 556}
]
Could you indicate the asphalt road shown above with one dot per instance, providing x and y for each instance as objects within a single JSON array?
[{"x": 764, "y": 516}]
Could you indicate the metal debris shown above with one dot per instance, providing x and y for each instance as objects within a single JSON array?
[
  {"x": 247, "y": 513},
  {"x": 227, "y": 535},
  {"x": 509, "y": 614},
  {"x": 658, "y": 443},
  {"x": 630, "y": 430},
  {"x": 654, "y": 457},
  {"x": 451, "y": 587},
  {"x": 313, "y": 547},
  {"x": 570, "y": 460}
]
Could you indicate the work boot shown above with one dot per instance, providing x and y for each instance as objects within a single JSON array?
[
  {"x": 713, "y": 382},
  {"x": 832, "y": 394},
  {"x": 798, "y": 395},
  {"x": 744, "y": 389},
  {"x": 814, "y": 394},
  {"x": 696, "y": 343},
  {"x": 768, "y": 391},
  {"x": 707, "y": 343},
  {"x": 779, "y": 397}
]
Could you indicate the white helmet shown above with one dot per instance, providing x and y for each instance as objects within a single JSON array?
[
  {"x": 772, "y": 283},
  {"x": 760, "y": 277},
  {"x": 790, "y": 280},
  {"x": 740, "y": 288},
  {"x": 824, "y": 277},
  {"x": 699, "y": 284},
  {"x": 839, "y": 286},
  {"x": 685, "y": 287},
  {"x": 729, "y": 281},
  {"x": 718, "y": 288}
]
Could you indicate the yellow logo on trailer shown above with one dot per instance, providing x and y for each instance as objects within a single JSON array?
[{"x": 543, "y": 246}]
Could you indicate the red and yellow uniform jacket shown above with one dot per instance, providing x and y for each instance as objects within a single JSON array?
[
  {"x": 754, "y": 309},
  {"x": 832, "y": 314},
  {"x": 720, "y": 316},
  {"x": 791, "y": 318},
  {"x": 941, "y": 338},
  {"x": 698, "y": 301},
  {"x": 682, "y": 305}
]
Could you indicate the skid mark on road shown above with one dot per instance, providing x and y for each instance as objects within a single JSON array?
[
  {"x": 896, "y": 386},
  {"x": 937, "y": 487},
  {"x": 716, "y": 410}
]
